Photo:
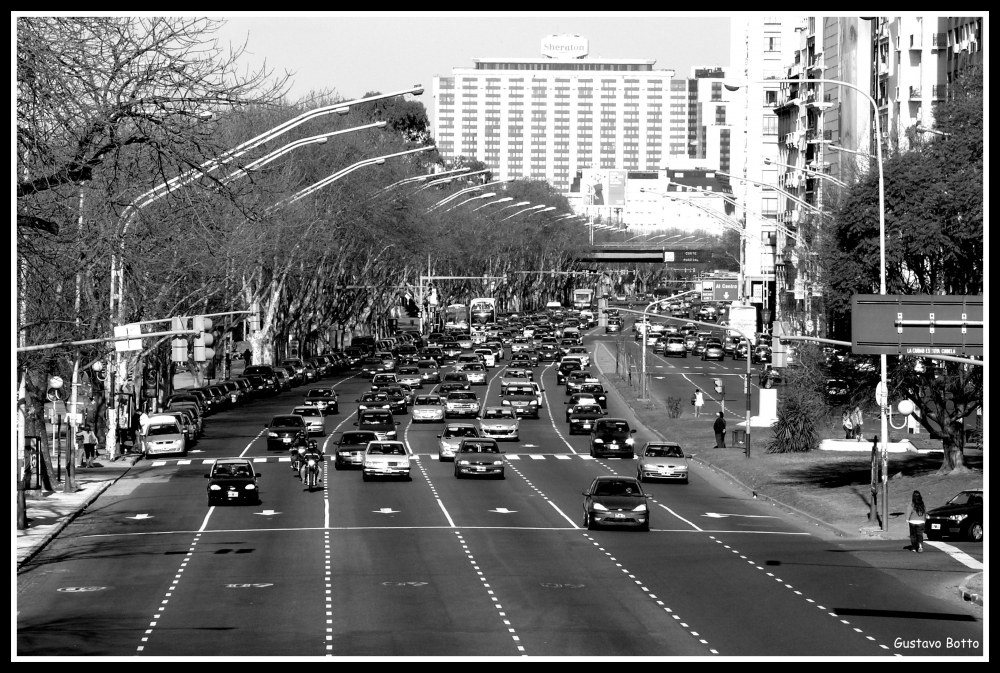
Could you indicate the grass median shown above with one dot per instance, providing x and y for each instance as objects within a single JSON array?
[{"x": 833, "y": 486}]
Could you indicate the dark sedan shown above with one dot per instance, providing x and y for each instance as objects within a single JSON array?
[
  {"x": 583, "y": 417},
  {"x": 284, "y": 431},
  {"x": 350, "y": 450},
  {"x": 612, "y": 436},
  {"x": 961, "y": 516},
  {"x": 479, "y": 457},
  {"x": 323, "y": 398},
  {"x": 615, "y": 501},
  {"x": 233, "y": 480},
  {"x": 597, "y": 390}
]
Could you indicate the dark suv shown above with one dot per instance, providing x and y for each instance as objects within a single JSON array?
[
  {"x": 267, "y": 373},
  {"x": 379, "y": 421},
  {"x": 284, "y": 432},
  {"x": 612, "y": 437}
]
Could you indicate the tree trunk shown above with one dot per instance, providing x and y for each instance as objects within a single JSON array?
[{"x": 953, "y": 461}]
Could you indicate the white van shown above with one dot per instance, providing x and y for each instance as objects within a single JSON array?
[{"x": 553, "y": 305}]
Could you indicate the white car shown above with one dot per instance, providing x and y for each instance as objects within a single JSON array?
[
  {"x": 386, "y": 459},
  {"x": 313, "y": 416},
  {"x": 500, "y": 423},
  {"x": 475, "y": 371},
  {"x": 163, "y": 434},
  {"x": 489, "y": 357},
  {"x": 582, "y": 353},
  {"x": 427, "y": 408},
  {"x": 662, "y": 460}
]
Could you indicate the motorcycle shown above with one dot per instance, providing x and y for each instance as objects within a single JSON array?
[{"x": 311, "y": 473}]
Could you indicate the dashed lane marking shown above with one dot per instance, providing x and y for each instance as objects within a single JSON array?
[{"x": 786, "y": 585}]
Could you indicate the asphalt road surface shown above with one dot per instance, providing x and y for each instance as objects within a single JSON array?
[{"x": 437, "y": 566}]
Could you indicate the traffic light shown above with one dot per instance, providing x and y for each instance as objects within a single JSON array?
[
  {"x": 720, "y": 387},
  {"x": 179, "y": 344},
  {"x": 150, "y": 381},
  {"x": 203, "y": 339}
]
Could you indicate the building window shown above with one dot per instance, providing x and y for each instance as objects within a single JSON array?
[
  {"x": 772, "y": 43},
  {"x": 770, "y": 125}
]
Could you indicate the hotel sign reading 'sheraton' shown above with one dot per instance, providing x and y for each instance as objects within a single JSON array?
[{"x": 565, "y": 46}]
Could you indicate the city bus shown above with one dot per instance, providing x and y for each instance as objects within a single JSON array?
[
  {"x": 456, "y": 317},
  {"x": 583, "y": 299},
  {"x": 482, "y": 310}
]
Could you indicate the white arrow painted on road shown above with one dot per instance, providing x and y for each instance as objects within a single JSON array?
[
  {"x": 504, "y": 510},
  {"x": 139, "y": 517},
  {"x": 530, "y": 446},
  {"x": 713, "y": 515},
  {"x": 386, "y": 510},
  {"x": 267, "y": 512},
  {"x": 196, "y": 451}
]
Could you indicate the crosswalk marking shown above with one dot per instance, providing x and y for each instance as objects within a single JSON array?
[
  {"x": 535, "y": 456},
  {"x": 560, "y": 456}
]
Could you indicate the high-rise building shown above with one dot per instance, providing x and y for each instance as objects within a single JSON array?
[{"x": 551, "y": 116}]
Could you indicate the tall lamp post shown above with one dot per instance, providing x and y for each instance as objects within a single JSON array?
[{"x": 733, "y": 85}]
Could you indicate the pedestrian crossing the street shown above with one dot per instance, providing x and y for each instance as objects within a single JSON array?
[{"x": 286, "y": 459}]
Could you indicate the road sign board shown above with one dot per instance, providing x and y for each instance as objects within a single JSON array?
[
  {"x": 129, "y": 344},
  {"x": 726, "y": 290},
  {"x": 686, "y": 256},
  {"x": 917, "y": 324}
]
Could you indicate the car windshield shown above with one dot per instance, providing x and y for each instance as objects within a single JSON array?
[
  {"x": 587, "y": 409},
  {"x": 319, "y": 392},
  {"x": 374, "y": 420},
  {"x": 428, "y": 399},
  {"x": 462, "y": 397},
  {"x": 228, "y": 470},
  {"x": 613, "y": 426},
  {"x": 374, "y": 397},
  {"x": 617, "y": 488},
  {"x": 518, "y": 390},
  {"x": 358, "y": 437},
  {"x": 386, "y": 449},
  {"x": 479, "y": 447},
  {"x": 498, "y": 413},
  {"x": 967, "y": 498},
  {"x": 664, "y": 452},
  {"x": 286, "y": 422},
  {"x": 409, "y": 370},
  {"x": 163, "y": 429},
  {"x": 427, "y": 364},
  {"x": 460, "y": 431}
]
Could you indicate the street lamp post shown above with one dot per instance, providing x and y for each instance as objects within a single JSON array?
[
  {"x": 882, "y": 273},
  {"x": 522, "y": 211},
  {"x": 487, "y": 195},
  {"x": 493, "y": 203},
  {"x": 818, "y": 174}
]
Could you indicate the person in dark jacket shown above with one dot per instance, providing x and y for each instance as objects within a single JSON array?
[
  {"x": 916, "y": 517},
  {"x": 720, "y": 431}
]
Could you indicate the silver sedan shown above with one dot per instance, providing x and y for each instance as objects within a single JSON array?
[{"x": 662, "y": 460}]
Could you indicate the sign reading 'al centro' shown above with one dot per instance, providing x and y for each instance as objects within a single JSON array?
[{"x": 565, "y": 46}]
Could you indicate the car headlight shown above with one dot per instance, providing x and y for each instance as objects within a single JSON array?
[
  {"x": 345, "y": 454},
  {"x": 498, "y": 462},
  {"x": 599, "y": 507},
  {"x": 958, "y": 517},
  {"x": 215, "y": 487},
  {"x": 640, "y": 508},
  {"x": 463, "y": 462},
  {"x": 598, "y": 441},
  {"x": 272, "y": 434},
  {"x": 505, "y": 403},
  {"x": 249, "y": 487},
  {"x": 391, "y": 433},
  {"x": 630, "y": 441}
]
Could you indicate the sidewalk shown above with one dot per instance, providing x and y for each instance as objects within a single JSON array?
[{"x": 49, "y": 513}]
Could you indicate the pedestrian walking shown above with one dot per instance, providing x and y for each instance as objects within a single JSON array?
[
  {"x": 247, "y": 357},
  {"x": 720, "y": 431},
  {"x": 916, "y": 517},
  {"x": 857, "y": 421},
  {"x": 848, "y": 424},
  {"x": 699, "y": 402},
  {"x": 89, "y": 440},
  {"x": 143, "y": 422}
]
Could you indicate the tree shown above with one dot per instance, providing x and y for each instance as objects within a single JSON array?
[{"x": 934, "y": 245}]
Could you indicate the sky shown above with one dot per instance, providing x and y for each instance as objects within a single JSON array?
[{"x": 356, "y": 53}]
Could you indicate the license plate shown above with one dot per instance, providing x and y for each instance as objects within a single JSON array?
[
  {"x": 232, "y": 494},
  {"x": 287, "y": 440},
  {"x": 935, "y": 526},
  {"x": 480, "y": 469},
  {"x": 586, "y": 426},
  {"x": 618, "y": 515}
]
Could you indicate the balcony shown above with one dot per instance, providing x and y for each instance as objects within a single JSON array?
[
  {"x": 939, "y": 91},
  {"x": 916, "y": 41},
  {"x": 939, "y": 41},
  {"x": 916, "y": 92}
]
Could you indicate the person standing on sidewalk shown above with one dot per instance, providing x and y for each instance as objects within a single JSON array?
[
  {"x": 848, "y": 424},
  {"x": 699, "y": 402},
  {"x": 720, "y": 431},
  {"x": 916, "y": 517},
  {"x": 857, "y": 421},
  {"x": 89, "y": 440}
]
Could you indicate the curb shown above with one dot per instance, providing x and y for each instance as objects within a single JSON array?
[
  {"x": 758, "y": 496},
  {"x": 68, "y": 519},
  {"x": 970, "y": 596}
]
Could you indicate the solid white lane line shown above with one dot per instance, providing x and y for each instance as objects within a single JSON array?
[
  {"x": 680, "y": 517},
  {"x": 447, "y": 516},
  {"x": 205, "y": 522},
  {"x": 956, "y": 554},
  {"x": 252, "y": 441},
  {"x": 552, "y": 417},
  {"x": 563, "y": 514}
]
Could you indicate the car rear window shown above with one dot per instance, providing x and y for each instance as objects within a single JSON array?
[
  {"x": 479, "y": 447},
  {"x": 163, "y": 429},
  {"x": 358, "y": 437},
  {"x": 320, "y": 392},
  {"x": 617, "y": 488},
  {"x": 664, "y": 452}
]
